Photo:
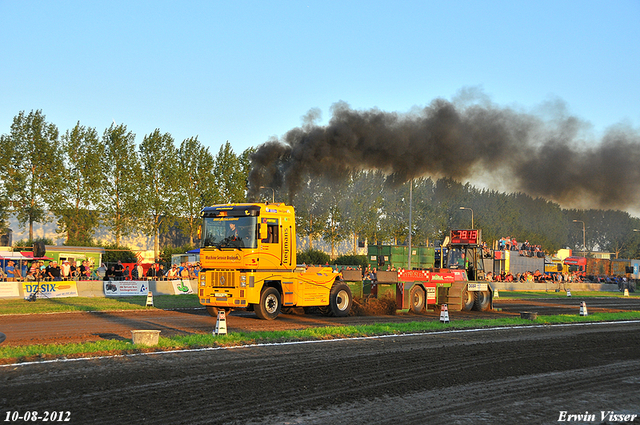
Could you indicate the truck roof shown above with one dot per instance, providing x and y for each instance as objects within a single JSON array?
[{"x": 238, "y": 210}]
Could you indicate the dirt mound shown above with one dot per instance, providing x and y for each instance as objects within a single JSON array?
[{"x": 373, "y": 306}]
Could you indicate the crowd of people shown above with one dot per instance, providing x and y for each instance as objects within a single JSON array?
[
  {"x": 525, "y": 249},
  {"x": 53, "y": 271},
  {"x": 183, "y": 271},
  {"x": 536, "y": 276},
  {"x": 38, "y": 271}
]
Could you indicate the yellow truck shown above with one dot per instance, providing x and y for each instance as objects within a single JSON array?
[{"x": 248, "y": 258}]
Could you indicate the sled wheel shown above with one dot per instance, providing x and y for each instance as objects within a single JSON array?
[
  {"x": 468, "y": 299},
  {"x": 417, "y": 299},
  {"x": 483, "y": 300}
]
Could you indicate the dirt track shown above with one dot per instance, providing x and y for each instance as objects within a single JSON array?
[
  {"x": 525, "y": 376},
  {"x": 81, "y": 326}
]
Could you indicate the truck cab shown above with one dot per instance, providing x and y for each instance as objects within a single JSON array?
[{"x": 248, "y": 257}]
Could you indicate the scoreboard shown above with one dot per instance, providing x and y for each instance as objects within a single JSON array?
[{"x": 465, "y": 237}]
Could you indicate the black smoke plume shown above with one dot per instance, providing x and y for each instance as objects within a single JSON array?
[{"x": 548, "y": 154}]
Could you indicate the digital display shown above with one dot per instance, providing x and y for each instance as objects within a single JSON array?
[{"x": 465, "y": 237}]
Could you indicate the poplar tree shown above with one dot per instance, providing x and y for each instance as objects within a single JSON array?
[
  {"x": 158, "y": 189},
  {"x": 229, "y": 174},
  {"x": 118, "y": 201},
  {"x": 76, "y": 203},
  {"x": 32, "y": 167},
  {"x": 196, "y": 182}
]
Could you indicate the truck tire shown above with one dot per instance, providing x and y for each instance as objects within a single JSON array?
[
  {"x": 417, "y": 299},
  {"x": 340, "y": 300},
  {"x": 483, "y": 300},
  {"x": 468, "y": 299},
  {"x": 269, "y": 306}
]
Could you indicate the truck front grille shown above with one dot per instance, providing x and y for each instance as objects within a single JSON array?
[{"x": 224, "y": 278}]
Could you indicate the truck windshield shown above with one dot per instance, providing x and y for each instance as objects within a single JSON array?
[{"x": 229, "y": 232}]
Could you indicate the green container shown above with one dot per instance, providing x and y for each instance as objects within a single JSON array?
[
  {"x": 386, "y": 290},
  {"x": 357, "y": 289},
  {"x": 399, "y": 250},
  {"x": 383, "y": 249},
  {"x": 366, "y": 287}
]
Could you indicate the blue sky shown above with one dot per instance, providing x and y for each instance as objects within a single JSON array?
[{"x": 245, "y": 71}]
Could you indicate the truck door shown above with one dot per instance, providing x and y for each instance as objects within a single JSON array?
[{"x": 271, "y": 245}]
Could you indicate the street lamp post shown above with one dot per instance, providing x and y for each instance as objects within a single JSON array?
[
  {"x": 465, "y": 208},
  {"x": 584, "y": 245}
]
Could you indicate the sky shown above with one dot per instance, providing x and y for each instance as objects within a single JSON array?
[{"x": 247, "y": 71}]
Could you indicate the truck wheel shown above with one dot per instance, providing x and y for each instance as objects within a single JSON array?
[
  {"x": 483, "y": 300},
  {"x": 269, "y": 306},
  {"x": 417, "y": 299},
  {"x": 340, "y": 300},
  {"x": 468, "y": 299}
]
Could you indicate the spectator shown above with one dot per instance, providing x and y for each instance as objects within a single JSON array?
[
  {"x": 173, "y": 272},
  {"x": 101, "y": 271},
  {"x": 110, "y": 273},
  {"x": 11, "y": 271},
  {"x": 73, "y": 271},
  {"x": 119, "y": 270},
  {"x": 186, "y": 272},
  {"x": 151, "y": 272},
  {"x": 54, "y": 271},
  {"x": 65, "y": 270}
]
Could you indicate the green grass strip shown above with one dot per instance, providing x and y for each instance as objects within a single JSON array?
[
  {"x": 59, "y": 305},
  {"x": 563, "y": 294},
  {"x": 9, "y": 354}
]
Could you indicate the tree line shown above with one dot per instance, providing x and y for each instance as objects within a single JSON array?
[
  {"x": 373, "y": 206},
  {"x": 86, "y": 180}
]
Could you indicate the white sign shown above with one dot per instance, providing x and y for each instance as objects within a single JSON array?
[
  {"x": 9, "y": 289},
  {"x": 126, "y": 287},
  {"x": 182, "y": 287}
]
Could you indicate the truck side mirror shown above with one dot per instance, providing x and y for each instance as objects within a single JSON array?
[{"x": 200, "y": 232}]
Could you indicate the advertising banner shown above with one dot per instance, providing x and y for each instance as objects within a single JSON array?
[
  {"x": 50, "y": 289},
  {"x": 182, "y": 286},
  {"x": 9, "y": 289},
  {"x": 125, "y": 287}
]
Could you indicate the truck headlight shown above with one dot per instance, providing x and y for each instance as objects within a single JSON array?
[
  {"x": 243, "y": 281},
  {"x": 203, "y": 280}
]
